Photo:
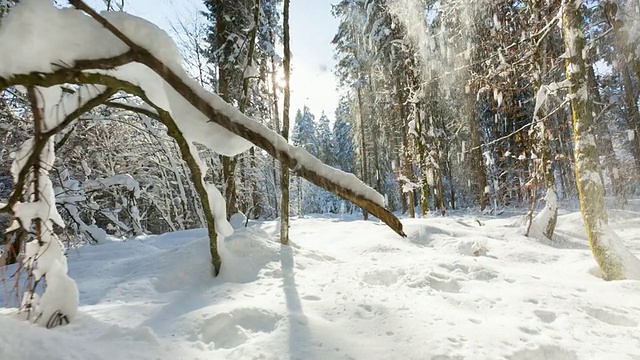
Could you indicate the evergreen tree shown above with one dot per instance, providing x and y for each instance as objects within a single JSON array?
[
  {"x": 304, "y": 131},
  {"x": 323, "y": 136},
  {"x": 344, "y": 153}
]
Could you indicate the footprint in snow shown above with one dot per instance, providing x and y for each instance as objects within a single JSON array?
[
  {"x": 438, "y": 282},
  {"x": 546, "y": 352},
  {"x": 475, "y": 273},
  {"x": 447, "y": 357},
  {"x": 385, "y": 277},
  {"x": 545, "y": 316},
  {"x": 456, "y": 267},
  {"x": 229, "y": 330},
  {"x": 610, "y": 318},
  {"x": 368, "y": 312}
]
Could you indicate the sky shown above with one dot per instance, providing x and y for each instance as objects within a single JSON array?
[
  {"x": 312, "y": 29},
  {"x": 313, "y": 82}
]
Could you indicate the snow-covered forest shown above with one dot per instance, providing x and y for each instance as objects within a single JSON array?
[{"x": 160, "y": 198}]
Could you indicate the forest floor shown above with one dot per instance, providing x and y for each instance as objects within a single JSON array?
[{"x": 464, "y": 286}]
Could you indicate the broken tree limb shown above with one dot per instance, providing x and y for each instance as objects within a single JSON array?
[
  {"x": 250, "y": 133},
  {"x": 226, "y": 116}
]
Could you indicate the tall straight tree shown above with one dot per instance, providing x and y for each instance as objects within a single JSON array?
[
  {"x": 249, "y": 69},
  {"x": 284, "y": 171},
  {"x": 228, "y": 38},
  {"x": 614, "y": 259}
]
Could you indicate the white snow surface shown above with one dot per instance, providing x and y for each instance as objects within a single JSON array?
[{"x": 345, "y": 290}]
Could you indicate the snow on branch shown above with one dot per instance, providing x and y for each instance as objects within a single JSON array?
[
  {"x": 122, "y": 180},
  {"x": 112, "y": 56},
  {"x": 545, "y": 91}
]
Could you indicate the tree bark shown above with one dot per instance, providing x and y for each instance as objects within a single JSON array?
[
  {"x": 228, "y": 163},
  {"x": 543, "y": 148},
  {"x": 590, "y": 187},
  {"x": 404, "y": 161},
  {"x": 422, "y": 158},
  {"x": 284, "y": 170},
  {"x": 477, "y": 162},
  {"x": 363, "y": 148}
]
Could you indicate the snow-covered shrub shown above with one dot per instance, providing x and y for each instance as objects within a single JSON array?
[{"x": 44, "y": 254}]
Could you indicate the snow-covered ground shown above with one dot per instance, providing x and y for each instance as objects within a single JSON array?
[{"x": 460, "y": 287}]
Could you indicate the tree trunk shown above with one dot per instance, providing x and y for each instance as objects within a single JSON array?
[
  {"x": 229, "y": 179},
  {"x": 612, "y": 257},
  {"x": 228, "y": 163},
  {"x": 440, "y": 193},
  {"x": 15, "y": 240},
  {"x": 627, "y": 62},
  {"x": 477, "y": 162},
  {"x": 363, "y": 149},
  {"x": 422, "y": 158},
  {"x": 284, "y": 171},
  {"x": 255, "y": 192},
  {"x": 255, "y": 196},
  {"x": 403, "y": 196},
  {"x": 549, "y": 215},
  {"x": 603, "y": 134},
  {"x": 407, "y": 198},
  {"x": 633, "y": 116}
]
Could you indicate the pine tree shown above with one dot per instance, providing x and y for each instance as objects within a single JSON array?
[
  {"x": 304, "y": 131},
  {"x": 325, "y": 144},
  {"x": 344, "y": 153}
]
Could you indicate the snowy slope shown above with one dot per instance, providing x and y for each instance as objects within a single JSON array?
[{"x": 347, "y": 289}]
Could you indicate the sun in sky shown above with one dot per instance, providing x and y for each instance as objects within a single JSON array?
[{"x": 312, "y": 28}]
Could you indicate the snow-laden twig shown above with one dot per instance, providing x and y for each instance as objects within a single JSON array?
[{"x": 523, "y": 127}]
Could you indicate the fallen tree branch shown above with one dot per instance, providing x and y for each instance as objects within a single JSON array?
[{"x": 252, "y": 134}]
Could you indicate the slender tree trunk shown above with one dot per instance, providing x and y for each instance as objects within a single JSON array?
[
  {"x": 276, "y": 124},
  {"x": 255, "y": 191},
  {"x": 229, "y": 179},
  {"x": 407, "y": 198},
  {"x": 402, "y": 168},
  {"x": 452, "y": 191},
  {"x": 633, "y": 115},
  {"x": 440, "y": 195},
  {"x": 605, "y": 145},
  {"x": 376, "y": 156},
  {"x": 284, "y": 171},
  {"x": 446, "y": 164},
  {"x": 14, "y": 241},
  {"x": 477, "y": 162},
  {"x": 228, "y": 163},
  {"x": 375, "y": 134},
  {"x": 363, "y": 148},
  {"x": 255, "y": 196},
  {"x": 543, "y": 147},
  {"x": 436, "y": 157},
  {"x": 403, "y": 196},
  {"x": 422, "y": 158}
]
